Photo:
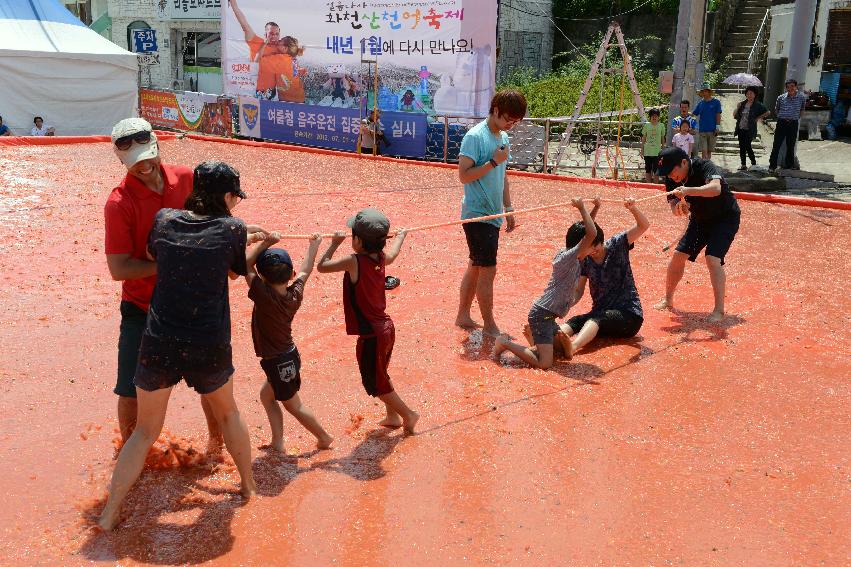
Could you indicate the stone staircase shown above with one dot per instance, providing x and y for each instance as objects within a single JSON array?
[{"x": 742, "y": 35}]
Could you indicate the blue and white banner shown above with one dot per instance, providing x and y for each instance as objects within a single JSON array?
[{"x": 339, "y": 128}]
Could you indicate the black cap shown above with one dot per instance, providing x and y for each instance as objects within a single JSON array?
[
  {"x": 273, "y": 257},
  {"x": 669, "y": 158},
  {"x": 214, "y": 176}
]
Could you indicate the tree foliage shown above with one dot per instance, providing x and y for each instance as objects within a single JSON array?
[{"x": 600, "y": 8}]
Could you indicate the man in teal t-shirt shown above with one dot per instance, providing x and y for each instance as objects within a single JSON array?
[{"x": 481, "y": 168}]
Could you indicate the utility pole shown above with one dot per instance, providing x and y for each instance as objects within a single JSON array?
[
  {"x": 688, "y": 52},
  {"x": 799, "y": 46}
]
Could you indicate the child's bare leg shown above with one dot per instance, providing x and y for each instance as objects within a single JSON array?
[
  {"x": 395, "y": 403},
  {"x": 468, "y": 293},
  {"x": 541, "y": 357},
  {"x": 309, "y": 421},
  {"x": 131, "y": 459},
  {"x": 236, "y": 434},
  {"x": 719, "y": 284},
  {"x": 676, "y": 268},
  {"x": 585, "y": 335},
  {"x": 275, "y": 415},
  {"x": 215, "y": 442}
]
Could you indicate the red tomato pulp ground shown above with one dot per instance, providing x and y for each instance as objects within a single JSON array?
[{"x": 693, "y": 444}]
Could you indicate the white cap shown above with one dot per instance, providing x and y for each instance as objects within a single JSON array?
[{"x": 137, "y": 152}]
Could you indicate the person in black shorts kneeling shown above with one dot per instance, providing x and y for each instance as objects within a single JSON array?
[
  {"x": 697, "y": 188},
  {"x": 275, "y": 305},
  {"x": 616, "y": 307}
]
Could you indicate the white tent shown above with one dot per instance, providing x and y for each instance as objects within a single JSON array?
[{"x": 52, "y": 65}]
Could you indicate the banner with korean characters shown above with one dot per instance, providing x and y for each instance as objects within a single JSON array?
[
  {"x": 178, "y": 110},
  {"x": 337, "y": 128},
  {"x": 188, "y": 9},
  {"x": 433, "y": 57}
]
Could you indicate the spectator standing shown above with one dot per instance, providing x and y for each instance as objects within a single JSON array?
[
  {"x": 4, "y": 130},
  {"x": 685, "y": 116},
  {"x": 708, "y": 112},
  {"x": 747, "y": 114},
  {"x": 789, "y": 108}
]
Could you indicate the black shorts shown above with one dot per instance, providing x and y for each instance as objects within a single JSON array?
[
  {"x": 283, "y": 372},
  {"x": 483, "y": 242},
  {"x": 651, "y": 164},
  {"x": 542, "y": 324},
  {"x": 133, "y": 320},
  {"x": 163, "y": 363},
  {"x": 716, "y": 237},
  {"x": 612, "y": 322}
]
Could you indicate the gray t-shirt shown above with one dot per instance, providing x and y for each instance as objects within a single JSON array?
[
  {"x": 560, "y": 292},
  {"x": 611, "y": 282}
]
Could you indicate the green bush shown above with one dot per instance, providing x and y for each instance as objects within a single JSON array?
[{"x": 557, "y": 93}]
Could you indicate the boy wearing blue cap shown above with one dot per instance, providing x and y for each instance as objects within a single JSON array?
[{"x": 275, "y": 305}]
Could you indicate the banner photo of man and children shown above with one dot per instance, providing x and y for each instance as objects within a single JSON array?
[{"x": 302, "y": 74}]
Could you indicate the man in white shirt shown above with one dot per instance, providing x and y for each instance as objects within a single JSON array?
[{"x": 41, "y": 129}]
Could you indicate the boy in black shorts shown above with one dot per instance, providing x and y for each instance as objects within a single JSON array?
[
  {"x": 275, "y": 305},
  {"x": 698, "y": 189}
]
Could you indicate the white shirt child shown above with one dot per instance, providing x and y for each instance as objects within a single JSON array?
[{"x": 683, "y": 141}]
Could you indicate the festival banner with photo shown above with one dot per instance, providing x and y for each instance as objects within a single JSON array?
[
  {"x": 186, "y": 111},
  {"x": 433, "y": 57}
]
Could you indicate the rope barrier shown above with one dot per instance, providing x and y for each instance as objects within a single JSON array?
[{"x": 484, "y": 218}]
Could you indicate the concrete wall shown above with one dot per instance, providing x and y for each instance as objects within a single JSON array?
[
  {"x": 781, "y": 32},
  {"x": 525, "y": 40}
]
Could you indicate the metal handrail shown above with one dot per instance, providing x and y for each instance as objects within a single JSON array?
[{"x": 758, "y": 41}]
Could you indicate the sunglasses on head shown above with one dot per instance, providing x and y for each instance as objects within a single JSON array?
[{"x": 124, "y": 142}]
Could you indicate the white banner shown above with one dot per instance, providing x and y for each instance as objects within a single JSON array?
[
  {"x": 433, "y": 57},
  {"x": 189, "y": 9}
]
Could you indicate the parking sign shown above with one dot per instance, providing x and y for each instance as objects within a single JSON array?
[{"x": 145, "y": 40}]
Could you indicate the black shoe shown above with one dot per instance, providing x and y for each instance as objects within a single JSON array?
[{"x": 391, "y": 282}]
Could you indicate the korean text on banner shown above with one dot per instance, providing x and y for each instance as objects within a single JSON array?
[
  {"x": 433, "y": 57},
  {"x": 336, "y": 128}
]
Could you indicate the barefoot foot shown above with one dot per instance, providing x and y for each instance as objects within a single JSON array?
[
  {"x": 466, "y": 322},
  {"x": 491, "y": 330},
  {"x": 248, "y": 489},
  {"x": 324, "y": 442},
  {"x": 108, "y": 519},
  {"x": 391, "y": 422},
  {"x": 715, "y": 317},
  {"x": 665, "y": 304},
  {"x": 410, "y": 422},
  {"x": 499, "y": 346},
  {"x": 566, "y": 344}
]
